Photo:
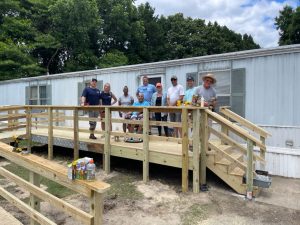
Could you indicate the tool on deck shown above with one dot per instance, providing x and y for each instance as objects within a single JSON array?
[{"x": 17, "y": 148}]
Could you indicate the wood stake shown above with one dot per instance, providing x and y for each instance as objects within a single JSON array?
[
  {"x": 76, "y": 134},
  {"x": 50, "y": 133},
  {"x": 196, "y": 150}
]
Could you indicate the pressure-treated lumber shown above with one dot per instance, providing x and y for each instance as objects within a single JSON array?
[
  {"x": 196, "y": 152},
  {"x": 50, "y": 134},
  {"x": 146, "y": 145},
  {"x": 107, "y": 140},
  {"x": 45, "y": 196},
  {"x": 185, "y": 149}
]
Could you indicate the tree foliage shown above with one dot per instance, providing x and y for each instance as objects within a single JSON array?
[
  {"x": 38, "y": 37},
  {"x": 288, "y": 24}
]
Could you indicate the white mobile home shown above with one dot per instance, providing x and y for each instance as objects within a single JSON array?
[{"x": 261, "y": 85}]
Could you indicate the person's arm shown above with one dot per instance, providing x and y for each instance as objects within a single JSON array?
[
  {"x": 114, "y": 98},
  {"x": 181, "y": 93},
  {"x": 131, "y": 100},
  {"x": 119, "y": 103},
  {"x": 82, "y": 101},
  {"x": 168, "y": 99},
  {"x": 137, "y": 92}
]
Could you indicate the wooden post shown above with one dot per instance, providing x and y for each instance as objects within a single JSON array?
[
  {"x": 262, "y": 152},
  {"x": 76, "y": 134},
  {"x": 96, "y": 206},
  {"x": 28, "y": 128},
  {"x": 50, "y": 133},
  {"x": 107, "y": 140},
  {"x": 185, "y": 151},
  {"x": 249, "y": 177},
  {"x": 34, "y": 202},
  {"x": 57, "y": 117},
  {"x": 146, "y": 144},
  {"x": 9, "y": 121},
  {"x": 16, "y": 121},
  {"x": 196, "y": 150},
  {"x": 224, "y": 129},
  {"x": 204, "y": 140}
]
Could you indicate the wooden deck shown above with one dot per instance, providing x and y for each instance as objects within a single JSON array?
[{"x": 167, "y": 153}]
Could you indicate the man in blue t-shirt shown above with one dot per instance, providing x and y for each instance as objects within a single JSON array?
[
  {"x": 91, "y": 96},
  {"x": 138, "y": 115},
  {"x": 147, "y": 89}
]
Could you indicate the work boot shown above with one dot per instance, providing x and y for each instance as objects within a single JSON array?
[{"x": 92, "y": 136}]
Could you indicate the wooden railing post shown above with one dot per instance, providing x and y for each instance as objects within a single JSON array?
[
  {"x": 224, "y": 129},
  {"x": 34, "y": 202},
  {"x": 16, "y": 121},
  {"x": 262, "y": 152},
  {"x": 96, "y": 207},
  {"x": 50, "y": 133},
  {"x": 9, "y": 121},
  {"x": 107, "y": 140},
  {"x": 28, "y": 128},
  {"x": 185, "y": 151},
  {"x": 145, "y": 144},
  {"x": 249, "y": 175},
  {"x": 56, "y": 117},
  {"x": 204, "y": 140},
  {"x": 76, "y": 133},
  {"x": 196, "y": 152}
]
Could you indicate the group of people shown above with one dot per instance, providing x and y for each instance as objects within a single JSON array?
[{"x": 149, "y": 95}]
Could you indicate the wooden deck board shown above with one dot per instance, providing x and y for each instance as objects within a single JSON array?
[{"x": 161, "y": 152}]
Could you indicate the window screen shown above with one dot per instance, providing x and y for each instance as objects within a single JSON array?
[
  {"x": 38, "y": 95},
  {"x": 222, "y": 87}
]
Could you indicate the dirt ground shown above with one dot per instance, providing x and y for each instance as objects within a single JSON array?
[{"x": 161, "y": 202}]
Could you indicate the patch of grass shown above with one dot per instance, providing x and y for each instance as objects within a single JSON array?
[
  {"x": 196, "y": 213},
  {"x": 53, "y": 187},
  {"x": 122, "y": 187}
]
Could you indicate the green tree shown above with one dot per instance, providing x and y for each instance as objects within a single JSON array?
[
  {"x": 17, "y": 35},
  {"x": 288, "y": 25},
  {"x": 77, "y": 26},
  {"x": 113, "y": 58}
]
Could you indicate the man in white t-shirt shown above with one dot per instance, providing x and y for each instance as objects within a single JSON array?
[{"x": 175, "y": 93}]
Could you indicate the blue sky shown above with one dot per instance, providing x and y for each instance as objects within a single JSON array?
[{"x": 255, "y": 17}]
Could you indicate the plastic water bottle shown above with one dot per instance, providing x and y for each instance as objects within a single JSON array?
[
  {"x": 91, "y": 170},
  {"x": 202, "y": 101}
]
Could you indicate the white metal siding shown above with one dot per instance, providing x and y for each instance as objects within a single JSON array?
[{"x": 272, "y": 89}]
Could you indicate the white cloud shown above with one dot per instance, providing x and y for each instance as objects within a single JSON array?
[{"x": 255, "y": 17}]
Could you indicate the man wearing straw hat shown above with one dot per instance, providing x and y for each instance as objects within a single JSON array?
[{"x": 207, "y": 91}]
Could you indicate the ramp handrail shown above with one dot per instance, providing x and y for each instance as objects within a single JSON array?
[{"x": 37, "y": 167}]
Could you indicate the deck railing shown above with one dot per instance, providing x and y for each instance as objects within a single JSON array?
[
  {"x": 37, "y": 166},
  {"x": 67, "y": 118}
]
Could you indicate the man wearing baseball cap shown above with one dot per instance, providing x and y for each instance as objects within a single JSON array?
[
  {"x": 188, "y": 95},
  {"x": 175, "y": 93},
  {"x": 91, "y": 96}
]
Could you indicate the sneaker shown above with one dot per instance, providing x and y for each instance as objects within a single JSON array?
[{"x": 92, "y": 136}]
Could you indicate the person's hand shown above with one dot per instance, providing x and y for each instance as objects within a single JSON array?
[{"x": 82, "y": 104}]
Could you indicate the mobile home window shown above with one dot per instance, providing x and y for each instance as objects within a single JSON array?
[
  {"x": 222, "y": 86},
  {"x": 38, "y": 95},
  {"x": 230, "y": 88}
]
